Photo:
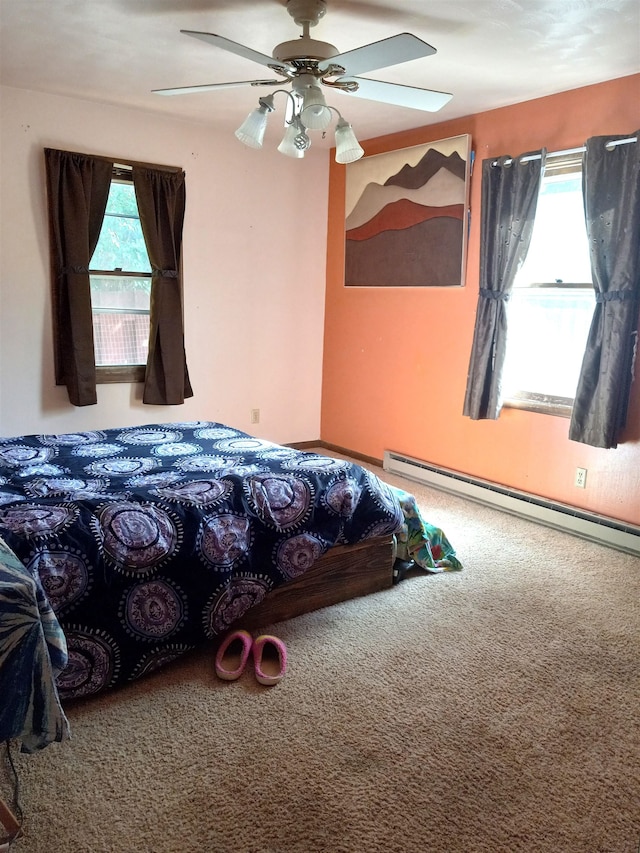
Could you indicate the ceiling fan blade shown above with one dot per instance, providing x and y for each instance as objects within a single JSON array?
[
  {"x": 209, "y": 87},
  {"x": 381, "y": 54},
  {"x": 234, "y": 47},
  {"x": 399, "y": 95}
]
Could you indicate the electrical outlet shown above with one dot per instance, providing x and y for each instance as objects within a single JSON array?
[
  {"x": 581, "y": 478},
  {"x": 255, "y": 416}
]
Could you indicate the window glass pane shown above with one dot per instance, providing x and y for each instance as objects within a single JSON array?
[
  {"x": 559, "y": 249},
  {"x": 120, "y": 319},
  {"x": 547, "y": 335},
  {"x": 120, "y": 292},
  {"x": 122, "y": 199},
  {"x": 121, "y": 339},
  {"x": 121, "y": 245},
  {"x": 548, "y": 326}
]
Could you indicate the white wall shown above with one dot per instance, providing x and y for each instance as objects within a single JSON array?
[{"x": 254, "y": 271}]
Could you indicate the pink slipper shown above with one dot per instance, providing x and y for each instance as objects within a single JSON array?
[
  {"x": 269, "y": 659},
  {"x": 233, "y": 654}
]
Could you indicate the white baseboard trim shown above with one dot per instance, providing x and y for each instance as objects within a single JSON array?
[{"x": 597, "y": 528}]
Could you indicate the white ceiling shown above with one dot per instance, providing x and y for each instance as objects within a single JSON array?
[{"x": 490, "y": 53}]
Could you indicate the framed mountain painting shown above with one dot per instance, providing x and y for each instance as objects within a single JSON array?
[{"x": 407, "y": 216}]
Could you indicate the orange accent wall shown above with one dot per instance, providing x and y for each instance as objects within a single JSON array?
[{"x": 396, "y": 359}]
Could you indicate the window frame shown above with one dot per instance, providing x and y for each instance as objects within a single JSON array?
[
  {"x": 569, "y": 163},
  {"x": 125, "y": 374},
  {"x": 120, "y": 373}
]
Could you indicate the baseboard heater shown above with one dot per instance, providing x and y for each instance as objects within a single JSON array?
[{"x": 597, "y": 528}]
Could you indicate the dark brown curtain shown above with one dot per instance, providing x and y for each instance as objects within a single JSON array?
[
  {"x": 77, "y": 190},
  {"x": 161, "y": 204},
  {"x": 510, "y": 188},
  {"x": 611, "y": 191}
]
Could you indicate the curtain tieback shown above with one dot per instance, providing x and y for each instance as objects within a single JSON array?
[
  {"x": 495, "y": 294},
  {"x": 164, "y": 273},
  {"x": 615, "y": 296}
]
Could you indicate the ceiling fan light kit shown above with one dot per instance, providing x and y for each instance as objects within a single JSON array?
[
  {"x": 296, "y": 139},
  {"x": 315, "y": 113},
  {"x": 348, "y": 149},
  {"x": 307, "y": 64},
  {"x": 251, "y": 131}
]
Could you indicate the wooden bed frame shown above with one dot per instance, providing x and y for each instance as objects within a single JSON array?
[{"x": 344, "y": 572}]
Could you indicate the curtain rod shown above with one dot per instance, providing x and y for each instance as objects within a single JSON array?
[
  {"x": 128, "y": 167},
  {"x": 579, "y": 150}
]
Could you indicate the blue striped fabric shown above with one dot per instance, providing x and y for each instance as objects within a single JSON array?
[{"x": 33, "y": 651}]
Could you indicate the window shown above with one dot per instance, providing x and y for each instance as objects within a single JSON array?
[
  {"x": 114, "y": 290},
  {"x": 552, "y": 301},
  {"x": 120, "y": 280}
]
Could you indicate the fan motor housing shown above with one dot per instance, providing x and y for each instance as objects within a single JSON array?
[{"x": 304, "y": 48}]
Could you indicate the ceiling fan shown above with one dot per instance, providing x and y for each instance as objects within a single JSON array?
[{"x": 305, "y": 63}]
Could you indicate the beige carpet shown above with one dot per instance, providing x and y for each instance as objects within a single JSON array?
[{"x": 494, "y": 710}]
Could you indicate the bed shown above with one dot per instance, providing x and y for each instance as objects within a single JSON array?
[{"x": 122, "y": 549}]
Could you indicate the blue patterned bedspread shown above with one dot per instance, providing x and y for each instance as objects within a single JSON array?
[{"x": 147, "y": 541}]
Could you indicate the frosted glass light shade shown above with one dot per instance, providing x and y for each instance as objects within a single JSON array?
[
  {"x": 315, "y": 113},
  {"x": 348, "y": 149},
  {"x": 288, "y": 145},
  {"x": 251, "y": 131}
]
